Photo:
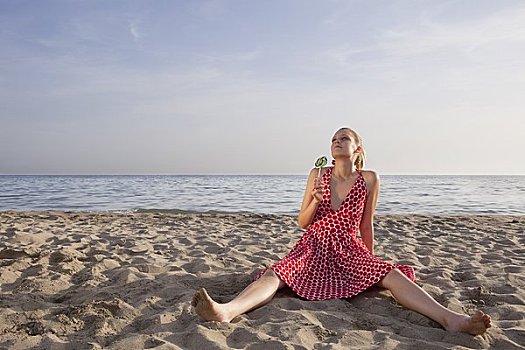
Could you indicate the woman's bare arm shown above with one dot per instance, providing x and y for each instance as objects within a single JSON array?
[
  {"x": 312, "y": 196},
  {"x": 367, "y": 221}
]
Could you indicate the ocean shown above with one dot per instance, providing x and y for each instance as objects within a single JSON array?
[{"x": 272, "y": 194}]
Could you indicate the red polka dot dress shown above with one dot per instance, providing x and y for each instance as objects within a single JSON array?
[{"x": 329, "y": 261}]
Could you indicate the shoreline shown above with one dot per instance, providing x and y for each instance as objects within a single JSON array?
[
  {"x": 125, "y": 280},
  {"x": 233, "y": 213}
]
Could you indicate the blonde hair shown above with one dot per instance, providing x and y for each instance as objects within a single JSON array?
[{"x": 359, "y": 162}]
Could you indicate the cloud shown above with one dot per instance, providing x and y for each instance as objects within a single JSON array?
[
  {"x": 475, "y": 60},
  {"x": 430, "y": 36},
  {"x": 210, "y": 9},
  {"x": 134, "y": 30},
  {"x": 234, "y": 57}
]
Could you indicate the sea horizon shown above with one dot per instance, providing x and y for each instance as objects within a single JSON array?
[{"x": 243, "y": 174}]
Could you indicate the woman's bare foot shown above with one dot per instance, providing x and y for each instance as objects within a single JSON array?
[
  {"x": 476, "y": 324},
  {"x": 208, "y": 309}
]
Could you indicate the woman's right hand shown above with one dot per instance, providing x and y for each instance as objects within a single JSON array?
[
  {"x": 313, "y": 195},
  {"x": 317, "y": 191}
]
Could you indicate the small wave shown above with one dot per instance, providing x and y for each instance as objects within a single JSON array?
[{"x": 182, "y": 211}]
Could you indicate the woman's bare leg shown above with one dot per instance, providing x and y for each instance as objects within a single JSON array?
[
  {"x": 413, "y": 297},
  {"x": 256, "y": 294}
]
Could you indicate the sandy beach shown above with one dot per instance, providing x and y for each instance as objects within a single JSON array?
[{"x": 125, "y": 281}]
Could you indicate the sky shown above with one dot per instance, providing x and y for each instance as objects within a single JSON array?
[{"x": 259, "y": 87}]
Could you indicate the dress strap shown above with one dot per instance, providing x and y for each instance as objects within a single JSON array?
[
  {"x": 327, "y": 175},
  {"x": 327, "y": 169}
]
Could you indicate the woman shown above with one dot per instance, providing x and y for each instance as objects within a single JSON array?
[{"x": 329, "y": 261}]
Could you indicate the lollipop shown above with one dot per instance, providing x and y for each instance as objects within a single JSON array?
[{"x": 319, "y": 163}]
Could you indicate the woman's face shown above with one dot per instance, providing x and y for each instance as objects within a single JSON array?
[{"x": 343, "y": 144}]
